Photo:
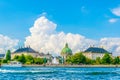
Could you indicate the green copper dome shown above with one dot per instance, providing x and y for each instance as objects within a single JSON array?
[{"x": 66, "y": 50}]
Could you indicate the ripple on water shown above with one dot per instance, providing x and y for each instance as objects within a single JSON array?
[
  {"x": 38, "y": 73},
  {"x": 27, "y": 72}
]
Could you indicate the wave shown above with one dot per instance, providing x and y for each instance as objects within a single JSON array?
[
  {"x": 93, "y": 72},
  {"x": 26, "y": 71}
]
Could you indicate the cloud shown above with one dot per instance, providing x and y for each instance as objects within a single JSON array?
[
  {"x": 116, "y": 11},
  {"x": 45, "y": 38},
  {"x": 7, "y": 43},
  {"x": 111, "y": 44},
  {"x": 113, "y": 20}
]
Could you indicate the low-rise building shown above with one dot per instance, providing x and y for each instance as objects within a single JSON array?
[
  {"x": 2, "y": 56},
  {"x": 25, "y": 51},
  {"x": 32, "y": 52},
  {"x": 94, "y": 52}
]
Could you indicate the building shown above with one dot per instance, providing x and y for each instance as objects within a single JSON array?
[
  {"x": 25, "y": 51},
  {"x": 66, "y": 51},
  {"x": 94, "y": 52},
  {"x": 55, "y": 61},
  {"x": 2, "y": 56},
  {"x": 30, "y": 51}
]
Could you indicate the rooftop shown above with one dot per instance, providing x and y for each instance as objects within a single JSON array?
[
  {"x": 96, "y": 50},
  {"x": 2, "y": 55},
  {"x": 25, "y": 49}
]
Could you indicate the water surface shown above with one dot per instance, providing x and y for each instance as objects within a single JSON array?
[{"x": 57, "y": 73}]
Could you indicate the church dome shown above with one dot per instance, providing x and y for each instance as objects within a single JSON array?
[{"x": 66, "y": 50}]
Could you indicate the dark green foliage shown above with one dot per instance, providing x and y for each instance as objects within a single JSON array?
[
  {"x": 16, "y": 57},
  {"x": 107, "y": 59},
  {"x": 8, "y": 55},
  {"x": 89, "y": 61},
  {"x": 4, "y": 61},
  {"x": 22, "y": 59},
  {"x": 78, "y": 58},
  {"x": 45, "y": 60},
  {"x": 0, "y": 61},
  {"x": 38, "y": 60},
  {"x": 29, "y": 59},
  {"x": 69, "y": 60},
  {"x": 98, "y": 60},
  {"x": 61, "y": 60},
  {"x": 116, "y": 60}
]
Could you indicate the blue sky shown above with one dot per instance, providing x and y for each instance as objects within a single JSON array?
[
  {"x": 86, "y": 17},
  {"x": 97, "y": 20}
]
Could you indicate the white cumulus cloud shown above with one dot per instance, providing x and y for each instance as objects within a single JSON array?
[
  {"x": 113, "y": 20},
  {"x": 116, "y": 11},
  {"x": 45, "y": 38},
  {"x": 111, "y": 44},
  {"x": 7, "y": 43}
]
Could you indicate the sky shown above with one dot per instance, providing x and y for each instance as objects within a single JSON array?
[{"x": 84, "y": 22}]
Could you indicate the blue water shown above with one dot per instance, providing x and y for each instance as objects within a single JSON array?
[{"x": 52, "y": 73}]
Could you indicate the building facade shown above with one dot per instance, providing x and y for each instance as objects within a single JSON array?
[
  {"x": 25, "y": 51},
  {"x": 30, "y": 51},
  {"x": 94, "y": 52},
  {"x": 2, "y": 56}
]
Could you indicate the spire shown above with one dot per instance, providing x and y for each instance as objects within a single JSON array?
[
  {"x": 66, "y": 45},
  {"x": 29, "y": 46}
]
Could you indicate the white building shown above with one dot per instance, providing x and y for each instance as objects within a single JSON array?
[
  {"x": 55, "y": 61},
  {"x": 32, "y": 52},
  {"x": 94, "y": 52}
]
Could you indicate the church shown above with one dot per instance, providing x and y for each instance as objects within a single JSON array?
[{"x": 66, "y": 51}]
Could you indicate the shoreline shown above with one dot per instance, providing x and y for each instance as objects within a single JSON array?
[{"x": 75, "y": 66}]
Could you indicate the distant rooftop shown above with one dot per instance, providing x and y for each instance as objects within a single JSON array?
[
  {"x": 2, "y": 55},
  {"x": 96, "y": 50},
  {"x": 25, "y": 49}
]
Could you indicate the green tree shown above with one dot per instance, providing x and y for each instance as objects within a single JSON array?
[
  {"x": 98, "y": 60},
  {"x": 29, "y": 59},
  {"x": 22, "y": 58},
  {"x": 0, "y": 61},
  {"x": 38, "y": 60},
  {"x": 8, "y": 55},
  {"x": 60, "y": 60},
  {"x": 44, "y": 60},
  {"x": 69, "y": 60},
  {"x": 116, "y": 60},
  {"x": 107, "y": 59},
  {"x": 78, "y": 58},
  {"x": 16, "y": 57},
  {"x": 4, "y": 61},
  {"x": 89, "y": 61}
]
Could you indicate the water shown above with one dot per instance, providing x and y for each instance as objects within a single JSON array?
[{"x": 52, "y": 73}]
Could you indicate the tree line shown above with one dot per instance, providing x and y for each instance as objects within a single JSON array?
[
  {"x": 75, "y": 59},
  {"x": 24, "y": 59},
  {"x": 79, "y": 58}
]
